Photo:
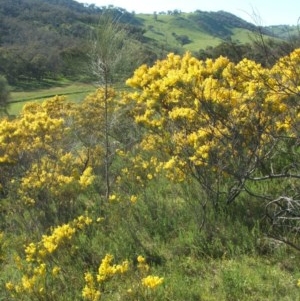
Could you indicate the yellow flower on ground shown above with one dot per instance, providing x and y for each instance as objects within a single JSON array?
[
  {"x": 9, "y": 286},
  {"x": 141, "y": 259},
  {"x": 30, "y": 251},
  {"x": 55, "y": 271},
  {"x": 142, "y": 264},
  {"x": 28, "y": 283},
  {"x": 112, "y": 197},
  {"x": 133, "y": 199},
  {"x": 107, "y": 270},
  {"x": 152, "y": 281},
  {"x": 89, "y": 291},
  {"x": 83, "y": 221},
  {"x": 40, "y": 270},
  {"x": 91, "y": 294}
]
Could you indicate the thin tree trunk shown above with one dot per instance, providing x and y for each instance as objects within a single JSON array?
[{"x": 107, "y": 144}]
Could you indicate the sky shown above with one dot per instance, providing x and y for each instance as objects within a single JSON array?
[{"x": 259, "y": 12}]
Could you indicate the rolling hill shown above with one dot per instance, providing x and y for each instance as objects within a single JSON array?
[{"x": 198, "y": 30}]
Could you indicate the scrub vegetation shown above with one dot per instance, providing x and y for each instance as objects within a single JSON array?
[{"x": 176, "y": 179}]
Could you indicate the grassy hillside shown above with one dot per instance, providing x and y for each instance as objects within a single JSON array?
[
  {"x": 195, "y": 31},
  {"x": 165, "y": 29}
]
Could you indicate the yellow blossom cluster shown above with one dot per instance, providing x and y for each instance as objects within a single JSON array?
[
  {"x": 205, "y": 113},
  {"x": 60, "y": 234},
  {"x": 88, "y": 131},
  {"x": 148, "y": 281},
  {"x": 36, "y": 128},
  {"x": 82, "y": 221},
  {"x": 32, "y": 282},
  {"x": 152, "y": 281},
  {"x": 38, "y": 144},
  {"x": 113, "y": 198},
  {"x": 133, "y": 199},
  {"x": 106, "y": 270},
  {"x": 58, "y": 237},
  {"x": 90, "y": 292},
  {"x": 142, "y": 169},
  {"x": 142, "y": 264},
  {"x": 35, "y": 270},
  {"x": 54, "y": 176},
  {"x": 93, "y": 289},
  {"x": 49, "y": 243},
  {"x": 87, "y": 178}
]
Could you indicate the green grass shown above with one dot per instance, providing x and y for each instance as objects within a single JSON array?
[
  {"x": 162, "y": 29},
  {"x": 63, "y": 89},
  {"x": 74, "y": 92},
  {"x": 242, "y": 278},
  {"x": 241, "y": 35}
]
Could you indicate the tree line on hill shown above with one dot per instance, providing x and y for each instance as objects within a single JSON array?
[
  {"x": 49, "y": 38},
  {"x": 263, "y": 51}
]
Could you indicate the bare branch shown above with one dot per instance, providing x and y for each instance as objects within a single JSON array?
[{"x": 275, "y": 176}]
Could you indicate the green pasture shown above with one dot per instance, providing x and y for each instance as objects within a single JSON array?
[
  {"x": 75, "y": 92},
  {"x": 162, "y": 29}
]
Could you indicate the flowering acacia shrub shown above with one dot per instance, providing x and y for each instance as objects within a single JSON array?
[
  {"x": 49, "y": 155},
  {"x": 42, "y": 166},
  {"x": 215, "y": 120}
]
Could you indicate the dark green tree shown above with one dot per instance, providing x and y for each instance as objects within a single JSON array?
[{"x": 4, "y": 95}]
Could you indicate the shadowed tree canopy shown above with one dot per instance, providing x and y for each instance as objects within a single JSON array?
[{"x": 4, "y": 94}]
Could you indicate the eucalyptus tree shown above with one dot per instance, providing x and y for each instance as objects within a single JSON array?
[{"x": 113, "y": 57}]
